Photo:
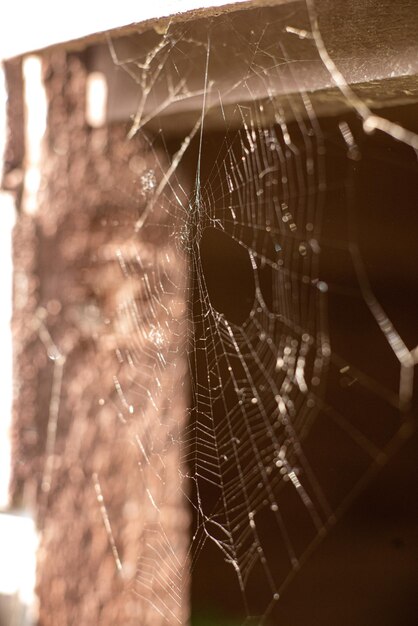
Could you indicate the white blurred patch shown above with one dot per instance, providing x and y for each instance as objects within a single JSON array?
[
  {"x": 96, "y": 99},
  {"x": 18, "y": 546},
  {"x": 35, "y": 118},
  {"x": 18, "y": 537}
]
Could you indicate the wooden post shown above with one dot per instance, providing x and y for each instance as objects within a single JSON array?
[{"x": 99, "y": 373}]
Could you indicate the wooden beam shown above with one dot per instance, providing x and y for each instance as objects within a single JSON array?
[
  {"x": 264, "y": 54},
  {"x": 51, "y": 26}
]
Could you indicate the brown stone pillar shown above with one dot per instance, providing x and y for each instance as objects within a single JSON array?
[{"x": 99, "y": 330}]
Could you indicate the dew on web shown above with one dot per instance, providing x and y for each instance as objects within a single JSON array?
[{"x": 254, "y": 182}]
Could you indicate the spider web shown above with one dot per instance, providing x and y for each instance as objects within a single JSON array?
[{"x": 292, "y": 410}]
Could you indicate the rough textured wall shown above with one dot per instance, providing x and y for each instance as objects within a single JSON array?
[{"x": 95, "y": 452}]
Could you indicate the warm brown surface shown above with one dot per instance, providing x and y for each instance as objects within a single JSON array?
[
  {"x": 12, "y": 166},
  {"x": 68, "y": 284}
]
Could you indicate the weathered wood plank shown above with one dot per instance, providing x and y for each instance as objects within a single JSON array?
[
  {"x": 104, "y": 505},
  {"x": 75, "y": 30}
]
